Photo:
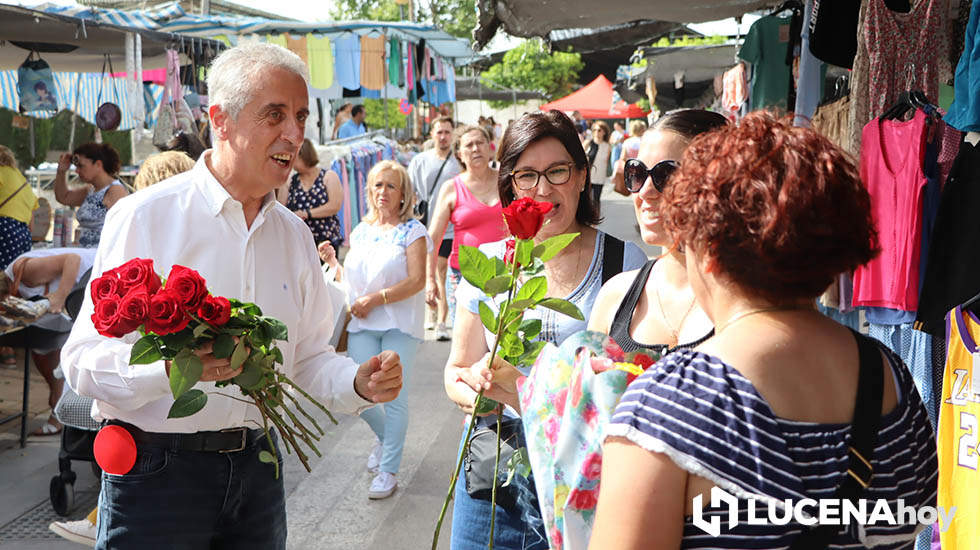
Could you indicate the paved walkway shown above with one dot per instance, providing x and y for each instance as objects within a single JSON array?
[{"x": 327, "y": 509}]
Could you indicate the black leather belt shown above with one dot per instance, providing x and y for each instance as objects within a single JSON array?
[{"x": 225, "y": 441}]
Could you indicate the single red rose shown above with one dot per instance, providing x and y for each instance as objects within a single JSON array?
[
  {"x": 134, "y": 308},
  {"x": 188, "y": 285},
  {"x": 138, "y": 272},
  {"x": 509, "y": 253},
  {"x": 108, "y": 321},
  {"x": 106, "y": 286},
  {"x": 215, "y": 310},
  {"x": 166, "y": 314},
  {"x": 525, "y": 217}
]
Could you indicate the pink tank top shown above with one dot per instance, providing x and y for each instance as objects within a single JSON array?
[
  {"x": 475, "y": 223},
  {"x": 892, "y": 153}
]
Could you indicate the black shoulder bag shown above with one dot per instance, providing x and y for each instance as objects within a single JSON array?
[
  {"x": 864, "y": 435},
  {"x": 422, "y": 207},
  {"x": 612, "y": 257}
]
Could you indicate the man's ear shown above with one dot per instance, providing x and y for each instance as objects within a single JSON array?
[{"x": 219, "y": 121}]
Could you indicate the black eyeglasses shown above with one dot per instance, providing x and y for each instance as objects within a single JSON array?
[
  {"x": 635, "y": 173},
  {"x": 558, "y": 174}
]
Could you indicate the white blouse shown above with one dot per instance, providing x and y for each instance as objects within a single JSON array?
[{"x": 377, "y": 260}]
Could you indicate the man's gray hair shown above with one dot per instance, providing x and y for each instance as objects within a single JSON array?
[{"x": 233, "y": 76}]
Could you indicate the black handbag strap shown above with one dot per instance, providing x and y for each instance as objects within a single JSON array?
[
  {"x": 435, "y": 182},
  {"x": 612, "y": 257},
  {"x": 107, "y": 60},
  {"x": 864, "y": 435},
  {"x": 12, "y": 195}
]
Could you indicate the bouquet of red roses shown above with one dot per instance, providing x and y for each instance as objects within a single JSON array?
[{"x": 176, "y": 316}]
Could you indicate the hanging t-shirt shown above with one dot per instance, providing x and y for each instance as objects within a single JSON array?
[
  {"x": 892, "y": 155},
  {"x": 372, "y": 62},
  {"x": 320, "y": 55},
  {"x": 347, "y": 53},
  {"x": 297, "y": 45},
  {"x": 964, "y": 113},
  {"x": 277, "y": 39},
  {"x": 765, "y": 48}
]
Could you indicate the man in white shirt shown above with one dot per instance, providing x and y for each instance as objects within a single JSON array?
[
  {"x": 429, "y": 170},
  {"x": 198, "y": 481}
]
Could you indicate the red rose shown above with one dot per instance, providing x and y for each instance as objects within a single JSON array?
[
  {"x": 106, "y": 286},
  {"x": 108, "y": 321},
  {"x": 188, "y": 285},
  {"x": 215, "y": 310},
  {"x": 166, "y": 314},
  {"x": 525, "y": 217},
  {"x": 592, "y": 466},
  {"x": 582, "y": 500},
  {"x": 138, "y": 272},
  {"x": 134, "y": 308},
  {"x": 509, "y": 253}
]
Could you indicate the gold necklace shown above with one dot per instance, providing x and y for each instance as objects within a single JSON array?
[
  {"x": 674, "y": 332},
  {"x": 744, "y": 314}
]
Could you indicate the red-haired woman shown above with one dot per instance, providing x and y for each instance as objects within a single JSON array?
[{"x": 768, "y": 214}]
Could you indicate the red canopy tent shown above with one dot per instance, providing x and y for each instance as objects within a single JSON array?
[{"x": 595, "y": 100}]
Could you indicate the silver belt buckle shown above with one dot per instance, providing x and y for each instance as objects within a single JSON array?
[{"x": 241, "y": 446}]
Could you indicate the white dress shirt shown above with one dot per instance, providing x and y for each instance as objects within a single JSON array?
[{"x": 191, "y": 220}]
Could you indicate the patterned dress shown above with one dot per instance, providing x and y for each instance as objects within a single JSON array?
[
  {"x": 91, "y": 216},
  {"x": 324, "y": 229}
]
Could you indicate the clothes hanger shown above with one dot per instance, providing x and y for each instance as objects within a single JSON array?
[
  {"x": 972, "y": 304},
  {"x": 794, "y": 5}
]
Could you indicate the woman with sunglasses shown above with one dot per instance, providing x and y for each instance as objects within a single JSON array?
[
  {"x": 654, "y": 308},
  {"x": 542, "y": 158},
  {"x": 96, "y": 165}
]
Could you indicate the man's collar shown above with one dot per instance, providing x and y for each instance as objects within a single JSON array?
[{"x": 215, "y": 194}]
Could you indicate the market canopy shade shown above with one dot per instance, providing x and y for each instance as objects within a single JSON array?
[
  {"x": 595, "y": 100},
  {"x": 529, "y": 18}
]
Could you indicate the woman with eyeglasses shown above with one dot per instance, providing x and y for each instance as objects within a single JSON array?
[
  {"x": 96, "y": 165},
  {"x": 654, "y": 308},
  {"x": 542, "y": 158}
]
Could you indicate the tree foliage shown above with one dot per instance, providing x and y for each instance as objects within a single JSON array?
[
  {"x": 530, "y": 67},
  {"x": 371, "y": 10},
  {"x": 456, "y": 17}
]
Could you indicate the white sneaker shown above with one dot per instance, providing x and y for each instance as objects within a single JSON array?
[
  {"x": 81, "y": 531},
  {"x": 442, "y": 333},
  {"x": 383, "y": 486},
  {"x": 374, "y": 459}
]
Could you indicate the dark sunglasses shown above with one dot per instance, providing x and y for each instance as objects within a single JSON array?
[{"x": 635, "y": 173}]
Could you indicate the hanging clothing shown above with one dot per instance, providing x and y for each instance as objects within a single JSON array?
[
  {"x": 833, "y": 31},
  {"x": 891, "y": 167},
  {"x": 319, "y": 52},
  {"x": 959, "y": 477},
  {"x": 964, "y": 113},
  {"x": 899, "y": 45},
  {"x": 734, "y": 88},
  {"x": 831, "y": 121},
  {"x": 297, "y": 45},
  {"x": 396, "y": 69},
  {"x": 347, "y": 53},
  {"x": 765, "y": 48},
  {"x": 372, "y": 62},
  {"x": 809, "y": 86},
  {"x": 951, "y": 273},
  {"x": 277, "y": 39}
]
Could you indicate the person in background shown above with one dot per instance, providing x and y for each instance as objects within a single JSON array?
[
  {"x": 96, "y": 165},
  {"x": 581, "y": 126},
  {"x": 631, "y": 148},
  {"x": 355, "y": 125},
  {"x": 315, "y": 195},
  {"x": 472, "y": 204},
  {"x": 17, "y": 204},
  {"x": 618, "y": 134},
  {"x": 541, "y": 158},
  {"x": 768, "y": 214},
  {"x": 429, "y": 171},
  {"x": 154, "y": 169},
  {"x": 384, "y": 270},
  {"x": 342, "y": 116},
  {"x": 598, "y": 151}
]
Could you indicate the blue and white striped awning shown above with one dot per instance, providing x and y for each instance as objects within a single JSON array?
[{"x": 87, "y": 86}]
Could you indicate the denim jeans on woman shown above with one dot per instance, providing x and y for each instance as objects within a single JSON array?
[
  {"x": 389, "y": 421},
  {"x": 189, "y": 500}
]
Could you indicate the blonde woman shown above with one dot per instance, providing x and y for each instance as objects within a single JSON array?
[
  {"x": 161, "y": 166},
  {"x": 17, "y": 203},
  {"x": 385, "y": 273}
]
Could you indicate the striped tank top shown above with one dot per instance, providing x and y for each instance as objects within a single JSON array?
[{"x": 710, "y": 421}]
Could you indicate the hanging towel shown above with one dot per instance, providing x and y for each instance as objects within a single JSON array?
[
  {"x": 319, "y": 54},
  {"x": 394, "y": 60},
  {"x": 347, "y": 53},
  {"x": 297, "y": 45},
  {"x": 277, "y": 39},
  {"x": 372, "y": 62}
]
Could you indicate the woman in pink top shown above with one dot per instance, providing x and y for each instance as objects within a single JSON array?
[{"x": 472, "y": 203}]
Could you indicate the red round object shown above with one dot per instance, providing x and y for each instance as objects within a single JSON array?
[{"x": 115, "y": 450}]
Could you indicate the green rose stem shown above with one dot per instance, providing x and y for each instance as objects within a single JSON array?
[{"x": 469, "y": 429}]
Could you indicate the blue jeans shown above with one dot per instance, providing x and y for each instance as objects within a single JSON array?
[
  {"x": 389, "y": 421},
  {"x": 518, "y": 526},
  {"x": 186, "y": 500}
]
